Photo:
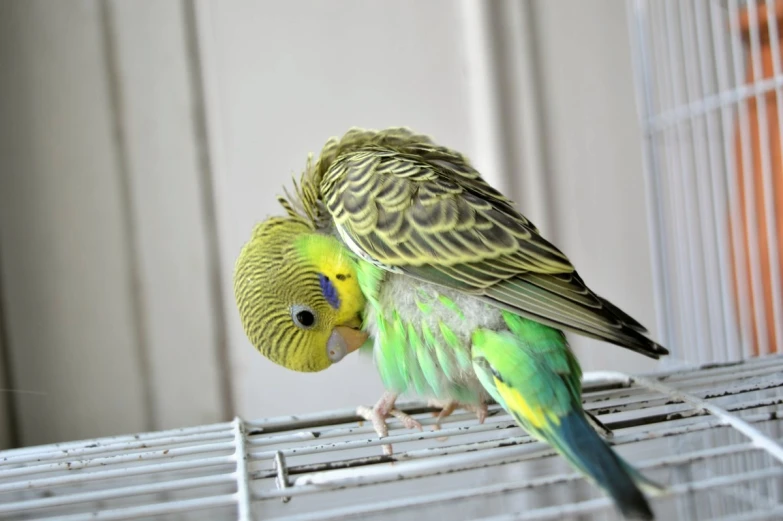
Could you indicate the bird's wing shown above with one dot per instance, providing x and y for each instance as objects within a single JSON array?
[{"x": 414, "y": 207}]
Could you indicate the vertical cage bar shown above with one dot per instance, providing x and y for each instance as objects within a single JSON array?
[
  {"x": 695, "y": 82},
  {"x": 716, "y": 174},
  {"x": 684, "y": 194},
  {"x": 719, "y": 24},
  {"x": 669, "y": 209},
  {"x": 671, "y": 235},
  {"x": 652, "y": 170},
  {"x": 244, "y": 506},
  {"x": 766, "y": 172},
  {"x": 766, "y": 160},
  {"x": 748, "y": 182}
]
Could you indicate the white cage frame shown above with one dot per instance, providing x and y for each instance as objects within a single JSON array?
[{"x": 296, "y": 467}]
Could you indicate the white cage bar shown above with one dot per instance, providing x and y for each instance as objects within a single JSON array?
[
  {"x": 711, "y": 435},
  {"x": 710, "y": 94}
]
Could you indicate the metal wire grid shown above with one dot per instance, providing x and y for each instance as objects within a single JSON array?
[
  {"x": 694, "y": 101},
  {"x": 710, "y": 434}
]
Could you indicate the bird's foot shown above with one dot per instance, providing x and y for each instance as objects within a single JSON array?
[
  {"x": 382, "y": 410},
  {"x": 449, "y": 406},
  {"x": 480, "y": 411}
]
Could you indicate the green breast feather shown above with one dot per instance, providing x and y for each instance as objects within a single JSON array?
[{"x": 423, "y": 335}]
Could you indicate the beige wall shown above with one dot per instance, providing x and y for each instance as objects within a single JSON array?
[
  {"x": 140, "y": 142},
  {"x": 107, "y": 263}
]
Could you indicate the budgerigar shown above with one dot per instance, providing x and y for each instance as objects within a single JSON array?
[{"x": 393, "y": 241}]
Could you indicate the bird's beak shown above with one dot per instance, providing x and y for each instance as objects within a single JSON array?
[{"x": 344, "y": 340}]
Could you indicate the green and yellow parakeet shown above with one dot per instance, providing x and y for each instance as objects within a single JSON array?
[{"x": 396, "y": 242}]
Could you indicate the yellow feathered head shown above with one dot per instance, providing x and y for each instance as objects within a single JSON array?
[{"x": 298, "y": 295}]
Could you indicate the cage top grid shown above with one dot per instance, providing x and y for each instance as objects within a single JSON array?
[{"x": 711, "y": 435}]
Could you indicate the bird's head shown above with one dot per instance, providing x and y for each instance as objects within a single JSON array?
[{"x": 298, "y": 295}]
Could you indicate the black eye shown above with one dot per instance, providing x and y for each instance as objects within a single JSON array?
[{"x": 303, "y": 316}]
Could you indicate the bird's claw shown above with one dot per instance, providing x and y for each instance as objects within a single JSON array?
[
  {"x": 382, "y": 410},
  {"x": 406, "y": 419},
  {"x": 448, "y": 407}
]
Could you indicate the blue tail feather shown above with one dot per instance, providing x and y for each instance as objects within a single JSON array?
[{"x": 584, "y": 448}]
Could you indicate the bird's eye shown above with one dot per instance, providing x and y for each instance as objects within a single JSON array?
[{"x": 302, "y": 316}]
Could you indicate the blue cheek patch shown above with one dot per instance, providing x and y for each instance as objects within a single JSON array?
[{"x": 329, "y": 291}]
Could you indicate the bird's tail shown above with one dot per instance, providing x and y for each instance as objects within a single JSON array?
[
  {"x": 580, "y": 444},
  {"x": 533, "y": 374}
]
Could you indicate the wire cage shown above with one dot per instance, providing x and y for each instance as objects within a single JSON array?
[
  {"x": 710, "y": 85},
  {"x": 710, "y": 92},
  {"x": 711, "y": 435}
]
